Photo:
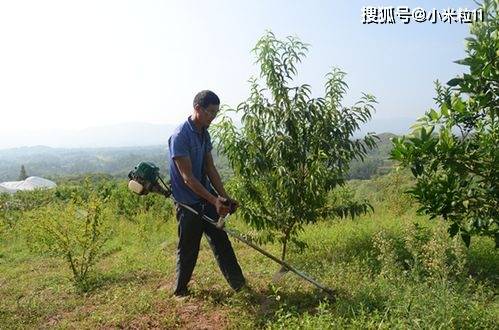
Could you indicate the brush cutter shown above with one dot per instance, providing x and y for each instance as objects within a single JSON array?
[{"x": 145, "y": 178}]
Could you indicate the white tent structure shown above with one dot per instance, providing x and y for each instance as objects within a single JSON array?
[{"x": 31, "y": 183}]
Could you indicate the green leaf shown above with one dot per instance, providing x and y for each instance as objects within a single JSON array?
[
  {"x": 454, "y": 82},
  {"x": 466, "y": 239},
  {"x": 453, "y": 229},
  {"x": 462, "y": 62},
  {"x": 458, "y": 105},
  {"x": 445, "y": 110},
  {"x": 433, "y": 115}
]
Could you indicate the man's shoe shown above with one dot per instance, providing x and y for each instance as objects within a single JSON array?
[
  {"x": 180, "y": 298},
  {"x": 245, "y": 288},
  {"x": 181, "y": 295}
]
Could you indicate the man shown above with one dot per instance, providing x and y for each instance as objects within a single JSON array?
[{"x": 191, "y": 164}]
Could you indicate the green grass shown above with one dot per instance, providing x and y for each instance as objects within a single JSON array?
[{"x": 387, "y": 272}]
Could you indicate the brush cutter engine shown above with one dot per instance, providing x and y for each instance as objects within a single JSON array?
[{"x": 144, "y": 178}]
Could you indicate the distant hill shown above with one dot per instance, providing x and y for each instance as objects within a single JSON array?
[
  {"x": 55, "y": 163},
  {"x": 59, "y": 162},
  {"x": 125, "y": 134},
  {"x": 376, "y": 162}
]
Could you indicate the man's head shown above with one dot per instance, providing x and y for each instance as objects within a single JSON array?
[{"x": 206, "y": 105}]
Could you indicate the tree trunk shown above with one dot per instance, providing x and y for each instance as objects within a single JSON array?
[
  {"x": 283, "y": 253},
  {"x": 284, "y": 246}
]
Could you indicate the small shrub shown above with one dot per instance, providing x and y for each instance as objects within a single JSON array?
[
  {"x": 75, "y": 231},
  {"x": 421, "y": 254},
  {"x": 434, "y": 255}
]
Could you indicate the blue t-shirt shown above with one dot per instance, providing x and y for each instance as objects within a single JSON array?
[{"x": 187, "y": 141}]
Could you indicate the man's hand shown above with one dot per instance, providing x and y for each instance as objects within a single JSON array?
[
  {"x": 220, "y": 205},
  {"x": 234, "y": 204}
]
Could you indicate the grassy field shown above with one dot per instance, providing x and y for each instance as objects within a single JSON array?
[{"x": 390, "y": 269}]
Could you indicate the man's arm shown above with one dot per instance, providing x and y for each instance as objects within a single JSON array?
[
  {"x": 185, "y": 168},
  {"x": 215, "y": 180},
  {"x": 213, "y": 175}
]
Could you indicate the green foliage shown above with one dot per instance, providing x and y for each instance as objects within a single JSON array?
[
  {"x": 388, "y": 272},
  {"x": 376, "y": 162},
  {"x": 392, "y": 191},
  {"x": 291, "y": 149},
  {"x": 12, "y": 206},
  {"x": 453, "y": 150},
  {"x": 365, "y": 169},
  {"x": 75, "y": 231},
  {"x": 422, "y": 253},
  {"x": 60, "y": 163},
  {"x": 74, "y": 220},
  {"x": 343, "y": 203},
  {"x": 130, "y": 205},
  {"x": 116, "y": 195}
]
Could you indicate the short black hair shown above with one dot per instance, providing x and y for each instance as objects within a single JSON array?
[{"x": 206, "y": 98}]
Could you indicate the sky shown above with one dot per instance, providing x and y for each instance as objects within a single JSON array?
[{"x": 71, "y": 65}]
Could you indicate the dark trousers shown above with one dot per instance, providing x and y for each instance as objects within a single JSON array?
[{"x": 190, "y": 229}]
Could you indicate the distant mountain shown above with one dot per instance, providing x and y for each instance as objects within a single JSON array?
[
  {"x": 395, "y": 124},
  {"x": 54, "y": 163},
  {"x": 119, "y": 135},
  {"x": 62, "y": 162},
  {"x": 377, "y": 160},
  {"x": 384, "y": 145},
  {"x": 131, "y": 134},
  {"x": 144, "y": 134}
]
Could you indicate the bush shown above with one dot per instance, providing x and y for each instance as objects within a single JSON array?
[
  {"x": 75, "y": 231},
  {"x": 388, "y": 191},
  {"x": 130, "y": 205},
  {"x": 421, "y": 254},
  {"x": 116, "y": 195}
]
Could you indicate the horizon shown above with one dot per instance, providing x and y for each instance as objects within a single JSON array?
[{"x": 124, "y": 146}]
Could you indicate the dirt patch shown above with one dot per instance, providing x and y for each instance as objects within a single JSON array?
[
  {"x": 193, "y": 316},
  {"x": 144, "y": 322},
  {"x": 53, "y": 320},
  {"x": 188, "y": 313}
]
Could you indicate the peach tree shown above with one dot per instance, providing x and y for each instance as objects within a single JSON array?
[{"x": 291, "y": 149}]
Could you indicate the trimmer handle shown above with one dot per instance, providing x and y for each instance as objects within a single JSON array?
[{"x": 232, "y": 208}]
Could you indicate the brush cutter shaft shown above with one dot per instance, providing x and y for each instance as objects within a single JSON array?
[
  {"x": 279, "y": 261},
  {"x": 259, "y": 249}
]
